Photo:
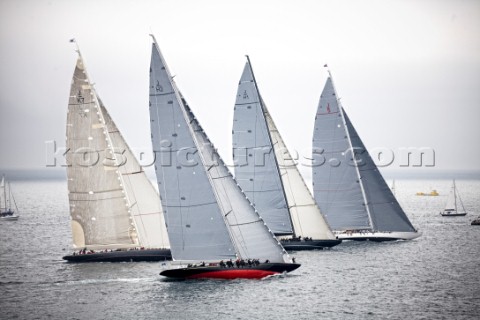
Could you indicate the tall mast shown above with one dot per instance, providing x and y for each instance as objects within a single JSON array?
[
  {"x": 455, "y": 194},
  {"x": 340, "y": 108},
  {"x": 9, "y": 196},
  {"x": 4, "y": 192},
  {"x": 264, "y": 111}
]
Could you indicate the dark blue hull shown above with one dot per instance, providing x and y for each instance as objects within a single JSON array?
[
  {"x": 122, "y": 256},
  {"x": 297, "y": 245}
]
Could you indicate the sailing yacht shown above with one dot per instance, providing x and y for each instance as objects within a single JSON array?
[
  {"x": 454, "y": 206},
  {"x": 214, "y": 230},
  {"x": 348, "y": 187},
  {"x": 268, "y": 175},
  {"x": 116, "y": 214},
  {"x": 8, "y": 206}
]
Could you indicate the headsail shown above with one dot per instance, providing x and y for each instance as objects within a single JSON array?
[
  {"x": 454, "y": 201},
  {"x": 384, "y": 209},
  {"x": 144, "y": 204},
  {"x": 347, "y": 185},
  {"x": 255, "y": 130},
  {"x": 452, "y": 198},
  {"x": 102, "y": 176},
  {"x": 208, "y": 216}
]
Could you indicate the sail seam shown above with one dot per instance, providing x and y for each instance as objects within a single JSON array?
[
  {"x": 189, "y": 206},
  {"x": 160, "y": 94},
  {"x": 246, "y": 103},
  {"x": 245, "y": 223}
]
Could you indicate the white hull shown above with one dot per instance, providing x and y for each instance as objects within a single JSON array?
[
  {"x": 452, "y": 213},
  {"x": 378, "y": 236},
  {"x": 9, "y": 218}
]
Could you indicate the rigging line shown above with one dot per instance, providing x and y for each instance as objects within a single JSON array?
[
  {"x": 11, "y": 197},
  {"x": 160, "y": 94},
  {"x": 246, "y": 103},
  {"x": 220, "y": 177},
  {"x": 95, "y": 192},
  {"x": 190, "y": 205},
  {"x": 132, "y": 173}
]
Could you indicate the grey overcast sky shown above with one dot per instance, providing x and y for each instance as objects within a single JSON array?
[{"x": 407, "y": 72}]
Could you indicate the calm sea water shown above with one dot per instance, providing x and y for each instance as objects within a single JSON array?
[{"x": 436, "y": 276}]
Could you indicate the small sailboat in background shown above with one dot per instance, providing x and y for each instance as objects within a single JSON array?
[
  {"x": 211, "y": 224},
  {"x": 348, "y": 187},
  {"x": 275, "y": 186},
  {"x": 454, "y": 207},
  {"x": 8, "y": 206},
  {"x": 116, "y": 214}
]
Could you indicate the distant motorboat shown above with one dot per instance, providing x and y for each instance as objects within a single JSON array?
[
  {"x": 454, "y": 207},
  {"x": 432, "y": 193},
  {"x": 476, "y": 222},
  {"x": 8, "y": 207}
]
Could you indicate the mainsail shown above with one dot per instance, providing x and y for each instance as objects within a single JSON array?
[
  {"x": 348, "y": 186},
  {"x": 266, "y": 170},
  {"x": 256, "y": 168},
  {"x": 4, "y": 199},
  {"x": 208, "y": 217},
  {"x": 452, "y": 199},
  {"x": 112, "y": 202}
]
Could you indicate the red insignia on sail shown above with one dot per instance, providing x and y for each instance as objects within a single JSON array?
[{"x": 328, "y": 108}]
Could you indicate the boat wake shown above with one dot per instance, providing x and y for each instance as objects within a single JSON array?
[{"x": 100, "y": 281}]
